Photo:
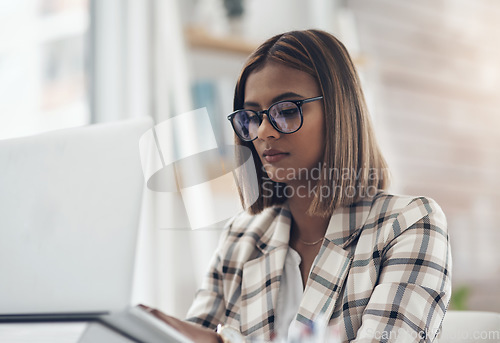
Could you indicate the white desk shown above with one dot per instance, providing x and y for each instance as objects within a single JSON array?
[{"x": 65, "y": 332}]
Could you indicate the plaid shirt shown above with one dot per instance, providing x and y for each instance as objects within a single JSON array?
[{"x": 382, "y": 273}]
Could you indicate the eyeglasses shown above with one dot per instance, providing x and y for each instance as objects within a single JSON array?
[{"x": 285, "y": 116}]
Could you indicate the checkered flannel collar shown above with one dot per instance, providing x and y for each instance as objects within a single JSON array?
[
  {"x": 344, "y": 226},
  {"x": 278, "y": 233},
  {"x": 346, "y": 222}
]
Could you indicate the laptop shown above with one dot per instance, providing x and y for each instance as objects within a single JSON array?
[{"x": 70, "y": 203}]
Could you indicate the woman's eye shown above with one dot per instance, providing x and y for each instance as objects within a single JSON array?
[{"x": 289, "y": 112}]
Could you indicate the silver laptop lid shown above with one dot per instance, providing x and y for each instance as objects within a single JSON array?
[{"x": 69, "y": 213}]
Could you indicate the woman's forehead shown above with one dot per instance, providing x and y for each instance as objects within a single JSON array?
[{"x": 274, "y": 79}]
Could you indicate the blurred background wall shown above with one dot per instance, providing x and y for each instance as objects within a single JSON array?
[{"x": 430, "y": 71}]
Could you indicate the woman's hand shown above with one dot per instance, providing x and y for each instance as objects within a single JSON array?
[{"x": 194, "y": 332}]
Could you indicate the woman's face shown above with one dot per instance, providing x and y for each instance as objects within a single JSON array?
[{"x": 285, "y": 155}]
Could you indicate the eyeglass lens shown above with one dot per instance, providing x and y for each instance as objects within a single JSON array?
[{"x": 284, "y": 115}]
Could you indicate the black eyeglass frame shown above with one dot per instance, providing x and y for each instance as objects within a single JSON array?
[{"x": 260, "y": 115}]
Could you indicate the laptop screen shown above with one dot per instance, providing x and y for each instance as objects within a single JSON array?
[{"x": 69, "y": 213}]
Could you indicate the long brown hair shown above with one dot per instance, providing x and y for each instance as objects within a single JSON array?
[{"x": 351, "y": 150}]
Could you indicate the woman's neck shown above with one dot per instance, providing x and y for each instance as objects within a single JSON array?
[{"x": 307, "y": 228}]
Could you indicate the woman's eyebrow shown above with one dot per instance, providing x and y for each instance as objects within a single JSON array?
[
  {"x": 280, "y": 97},
  {"x": 286, "y": 96}
]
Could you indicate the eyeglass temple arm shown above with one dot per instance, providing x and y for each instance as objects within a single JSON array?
[{"x": 312, "y": 99}]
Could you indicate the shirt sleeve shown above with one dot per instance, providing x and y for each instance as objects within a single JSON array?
[
  {"x": 208, "y": 307},
  {"x": 414, "y": 286}
]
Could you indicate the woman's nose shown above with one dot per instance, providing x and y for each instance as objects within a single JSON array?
[{"x": 266, "y": 130}]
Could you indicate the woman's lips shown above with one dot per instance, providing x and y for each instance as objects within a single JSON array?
[
  {"x": 275, "y": 158},
  {"x": 272, "y": 155}
]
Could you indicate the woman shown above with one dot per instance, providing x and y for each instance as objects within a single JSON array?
[{"x": 324, "y": 243}]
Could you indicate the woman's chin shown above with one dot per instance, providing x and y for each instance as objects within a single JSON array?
[
  {"x": 283, "y": 175},
  {"x": 275, "y": 174}
]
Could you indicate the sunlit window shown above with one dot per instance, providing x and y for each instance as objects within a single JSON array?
[{"x": 43, "y": 65}]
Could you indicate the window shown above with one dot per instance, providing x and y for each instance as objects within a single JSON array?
[{"x": 43, "y": 66}]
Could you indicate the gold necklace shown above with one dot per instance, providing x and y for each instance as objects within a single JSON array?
[
  {"x": 310, "y": 243},
  {"x": 304, "y": 242}
]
